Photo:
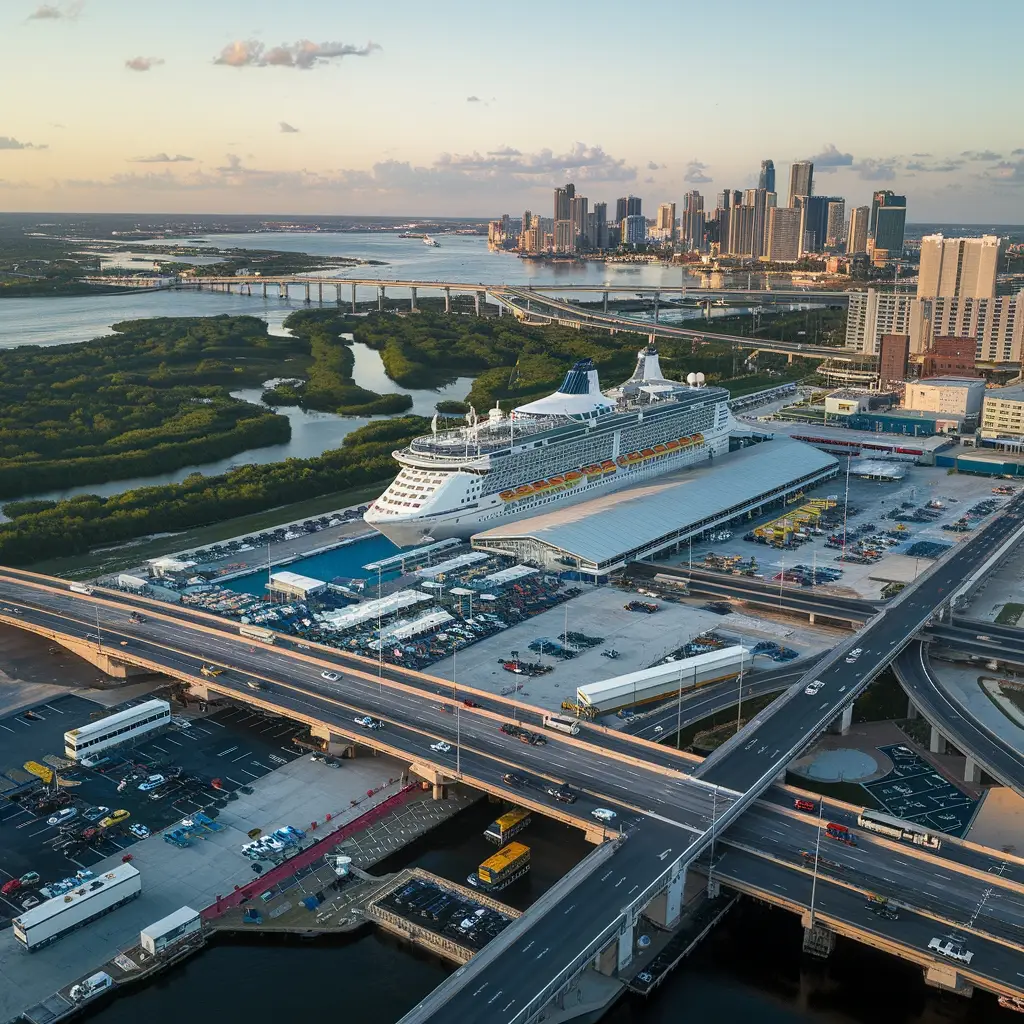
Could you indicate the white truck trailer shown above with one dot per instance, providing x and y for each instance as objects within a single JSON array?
[
  {"x": 92, "y": 899},
  {"x": 170, "y": 930},
  {"x": 662, "y": 681}
]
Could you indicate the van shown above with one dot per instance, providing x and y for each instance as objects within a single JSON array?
[{"x": 951, "y": 950}]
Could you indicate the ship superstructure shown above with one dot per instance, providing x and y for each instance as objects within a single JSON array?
[{"x": 569, "y": 446}]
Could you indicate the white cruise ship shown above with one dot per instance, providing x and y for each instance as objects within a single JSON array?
[{"x": 568, "y": 447}]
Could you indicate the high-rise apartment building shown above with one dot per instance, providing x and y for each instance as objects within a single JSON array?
[
  {"x": 835, "y": 232},
  {"x": 634, "y": 229},
  {"x": 693, "y": 220},
  {"x": 888, "y": 222},
  {"x": 665, "y": 224},
  {"x": 783, "y": 234},
  {"x": 958, "y": 266},
  {"x": 600, "y": 215},
  {"x": 801, "y": 180},
  {"x": 766, "y": 179},
  {"x": 633, "y": 204},
  {"x": 814, "y": 222},
  {"x": 564, "y": 238},
  {"x": 579, "y": 212},
  {"x": 857, "y": 235},
  {"x": 526, "y": 222},
  {"x": 722, "y": 200},
  {"x": 621, "y": 208}
]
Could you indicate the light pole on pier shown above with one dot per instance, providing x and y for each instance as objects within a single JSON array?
[{"x": 817, "y": 848}]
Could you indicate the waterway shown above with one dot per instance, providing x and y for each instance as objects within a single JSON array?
[{"x": 749, "y": 969}]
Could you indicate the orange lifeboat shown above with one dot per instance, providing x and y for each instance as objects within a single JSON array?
[{"x": 507, "y": 495}]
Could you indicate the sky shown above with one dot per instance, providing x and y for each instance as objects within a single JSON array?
[{"x": 470, "y": 108}]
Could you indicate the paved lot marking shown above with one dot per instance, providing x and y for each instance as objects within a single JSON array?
[{"x": 230, "y": 750}]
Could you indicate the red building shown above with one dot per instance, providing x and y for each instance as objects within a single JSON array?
[
  {"x": 949, "y": 356},
  {"x": 893, "y": 353}
]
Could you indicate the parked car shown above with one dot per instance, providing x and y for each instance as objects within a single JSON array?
[
  {"x": 115, "y": 819},
  {"x": 10, "y": 886},
  {"x": 139, "y": 831},
  {"x": 64, "y": 814},
  {"x": 151, "y": 783},
  {"x": 95, "y": 813},
  {"x": 29, "y": 878}
]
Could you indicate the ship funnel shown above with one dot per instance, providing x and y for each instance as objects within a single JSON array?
[
  {"x": 581, "y": 379},
  {"x": 648, "y": 366}
]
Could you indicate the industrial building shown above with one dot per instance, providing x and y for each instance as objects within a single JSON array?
[
  {"x": 600, "y": 536},
  {"x": 292, "y": 586},
  {"x": 1002, "y": 418},
  {"x": 956, "y": 396}
]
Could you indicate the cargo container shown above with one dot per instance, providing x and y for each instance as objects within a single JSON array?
[
  {"x": 500, "y": 871},
  {"x": 502, "y": 830},
  {"x": 265, "y": 636},
  {"x": 94, "y": 897},
  {"x": 80, "y": 588},
  {"x": 171, "y": 930},
  {"x": 663, "y": 681},
  {"x": 562, "y": 723}
]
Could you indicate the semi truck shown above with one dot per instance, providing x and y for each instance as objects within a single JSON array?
[
  {"x": 64, "y": 913},
  {"x": 80, "y": 588},
  {"x": 265, "y": 636},
  {"x": 178, "y": 927}
]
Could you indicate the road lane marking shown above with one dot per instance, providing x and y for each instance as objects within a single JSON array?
[{"x": 230, "y": 750}]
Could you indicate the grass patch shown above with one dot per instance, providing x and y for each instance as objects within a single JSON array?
[
  {"x": 1010, "y": 614},
  {"x": 711, "y": 732},
  {"x": 98, "y": 563},
  {"x": 883, "y": 701}
]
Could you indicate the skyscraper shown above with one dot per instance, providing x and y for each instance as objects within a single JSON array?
[
  {"x": 578, "y": 214},
  {"x": 958, "y": 266},
  {"x": 564, "y": 238},
  {"x": 634, "y": 229},
  {"x": 801, "y": 180},
  {"x": 857, "y": 237},
  {"x": 767, "y": 177},
  {"x": 722, "y": 201},
  {"x": 888, "y": 221},
  {"x": 783, "y": 234},
  {"x": 666, "y": 221},
  {"x": 693, "y": 220},
  {"x": 814, "y": 222},
  {"x": 836, "y": 228},
  {"x": 621, "y": 208}
]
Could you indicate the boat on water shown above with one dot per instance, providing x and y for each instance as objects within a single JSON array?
[
  {"x": 427, "y": 240},
  {"x": 573, "y": 445},
  {"x": 508, "y": 865}
]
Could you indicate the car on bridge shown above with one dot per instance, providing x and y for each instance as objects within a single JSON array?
[
  {"x": 854, "y": 655},
  {"x": 331, "y": 677},
  {"x": 563, "y": 794},
  {"x": 441, "y": 747},
  {"x": 603, "y": 814},
  {"x": 366, "y": 722},
  {"x": 812, "y": 688},
  {"x": 511, "y": 779}
]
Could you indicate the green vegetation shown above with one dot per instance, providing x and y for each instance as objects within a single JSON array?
[
  {"x": 150, "y": 398},
  {"x": 74, "y": 526},
  {"x": 329, "y": 386},
  {"x": 851, "y": 792},
  {"x": 883, "y": 701},
  {"x": 1010, "y": 614},
  {"x": 709, "y": 733}
]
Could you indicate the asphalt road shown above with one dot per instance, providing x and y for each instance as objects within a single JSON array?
[
  {"x": 994, "y": 754},
  {"x": 766, "y": 744}
]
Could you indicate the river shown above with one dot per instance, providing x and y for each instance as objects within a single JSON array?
[{"x": 749, "y": 969}]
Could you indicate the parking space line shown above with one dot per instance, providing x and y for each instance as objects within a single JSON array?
[
  {"x": 16, "y": 719},
  {"x": 230, "y": 750},
  {"x": 40, "y": 832},
  {"x": 161, "y": 749},
  {"x": 235, "y": 781},
  {"x": 167, "y": 739},
  {"x": 240, "y": 756},
  {"x": 249, "y": 773},
  {"x": 57, "y": 710},
  {"x": 210, "y": 721},
  {"x": 5, "y": 727},
  {"x": 261, "y": 765}
]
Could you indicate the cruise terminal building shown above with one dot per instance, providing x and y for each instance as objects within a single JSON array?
[{"x": 601, "y": 536}]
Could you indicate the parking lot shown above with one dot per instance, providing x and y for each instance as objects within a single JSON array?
[
  {"x": 205, "y": 763},
  {"x": 914, "y": 791}
]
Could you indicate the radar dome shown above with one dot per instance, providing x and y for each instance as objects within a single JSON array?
[
  {"x": 700, "y": 379},
  {"x": 691, "y": 379}
]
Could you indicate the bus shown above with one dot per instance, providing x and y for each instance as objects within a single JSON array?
[
  {"x": 497, "y": 872},
  {"x": 265, "y": 636},
  {"x": 84, "y": 743},
  {"x": 507, "y": 825},
  {"x": 897, "y": 828},
  {"x": 562, "y": 723}
]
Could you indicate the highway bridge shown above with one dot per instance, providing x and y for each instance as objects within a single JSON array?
[{"x": 669, "y": 809}]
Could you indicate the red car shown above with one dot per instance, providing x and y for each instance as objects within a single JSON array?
[
  {"x": 12, "y": 886},
  {"x": 803, "y": 805},
  {"x": 470, "y": 703}
]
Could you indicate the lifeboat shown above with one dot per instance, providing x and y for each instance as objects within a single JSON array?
[
  {"x": 684, "y": 442},
  {"x": 671, "y": 445},
  {"x": 592, "y": 470},
  {"x": 698, "y": 438},
  {"x": 556, "y": 481},
  {"x": 540, "y": 485},
  {"x": 572, "y": 478},
  {"x": 523, "y": 490},
  {"x": 608, "y": 466},
  {"x": 647, "y": 453},
  {"x": 660, "y": 449},
  {"x": 634, "y": 457},
  {"x": 507, "y": 495}
]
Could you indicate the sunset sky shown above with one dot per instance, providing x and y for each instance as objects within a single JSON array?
[{"x": 475, "y": 108}]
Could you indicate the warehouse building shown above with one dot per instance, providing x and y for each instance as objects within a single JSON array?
[
  {"x": 292, "y": 586},
  {"x": 600, "y": 536}
]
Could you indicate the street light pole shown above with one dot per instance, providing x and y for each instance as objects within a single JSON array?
[
  {"x": 458, "y": 742},
  {"x": 714, "y": 816},
  {"x": 739, "y": 703},
  {"x": 99, "y": 635},
  {"x": 380, "y": 638},
  {"x": 679, "y": 709},
  {"x": 817, "y": 847}
]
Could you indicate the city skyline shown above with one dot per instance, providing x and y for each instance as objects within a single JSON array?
[{"x": 256, "y": 108}]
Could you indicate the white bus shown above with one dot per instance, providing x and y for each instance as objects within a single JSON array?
[
  {"x": 90, "y": 740},
  {"x": 897, "y": 828},
  {"x": 265, "y": 636},
  {"x": 562, "y": 723}
]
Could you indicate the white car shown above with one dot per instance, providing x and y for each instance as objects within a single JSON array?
[
  {"x": 814, "y": 687},
  {"x": 139, "y": 831},
  {"x": 363, "y": 720},
  {"x": 854, "y": 655},
  {"x": 441, "y": 747},
  {"x": 603, "y": 814},
  {"x": 64, "y": 814},
  {"x": 151, "y": 783},
  {"x": 331, "y": 677}
]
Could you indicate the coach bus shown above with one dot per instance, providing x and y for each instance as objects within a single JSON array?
[
  {"x": 897, "y": 828},
  {"x": 265, "y": 636},
  {"x": 89, "y": 740}
]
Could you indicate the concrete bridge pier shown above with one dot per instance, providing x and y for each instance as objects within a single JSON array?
[
  {"x": 972, "y": 770},
  {"x": 320, "y": 292},
  {"x": 819, "y": 939},
  {"x": 353, "y": 298},
  {"x": 380, "y": 299},
  {"x": 912, "y": 711},
  {"x": 846, "y": 720},
  {"x": 282, "y": 290},
  {"x": 447, "y": 300},
  {"x": 307, "y": 300},
  {"x": 604, "y": 302},
  {"x": 476, "y": 296},
  {"x": 937, "y": 742},
  {"x": 337, "y": 294},
  {"x": 657, "y": 300},
  {"x": 335, "y": 745},
  {"x": 264, "y": 289},
  {"x": 667, "y": 907},
  {"x": 947, "y": 978},
  {"x": 412, "y": 299}
]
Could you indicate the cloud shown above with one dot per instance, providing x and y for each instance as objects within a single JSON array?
[
  {"x": 52, "y": 12},
  {"x": 941, "y": 168},
  {"x": 695, "y": 173},
  {"x": 830, "y": 158},
  {"x": 1009, "y": 172},
  {"x": 142, "y": 63},
  {"x": 6, "y": 142},
  {"x": 287, "y": 128},
  {"x": 648, "y": 181},
  {"x": 653, "y": 166},
  {"x": 1017, "y": 152},
  {"x": 472, "y": 99},
  {"x": 871, "y": 169},
  {"x": 981, "y": 154},
  {"x": 304, "y": 54},
  {"x": 504, "y": 151},
  {"x": 581, "y": 162},
  {"x": 162, "y": 158},
  {"x": 921, "y": 155}
]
